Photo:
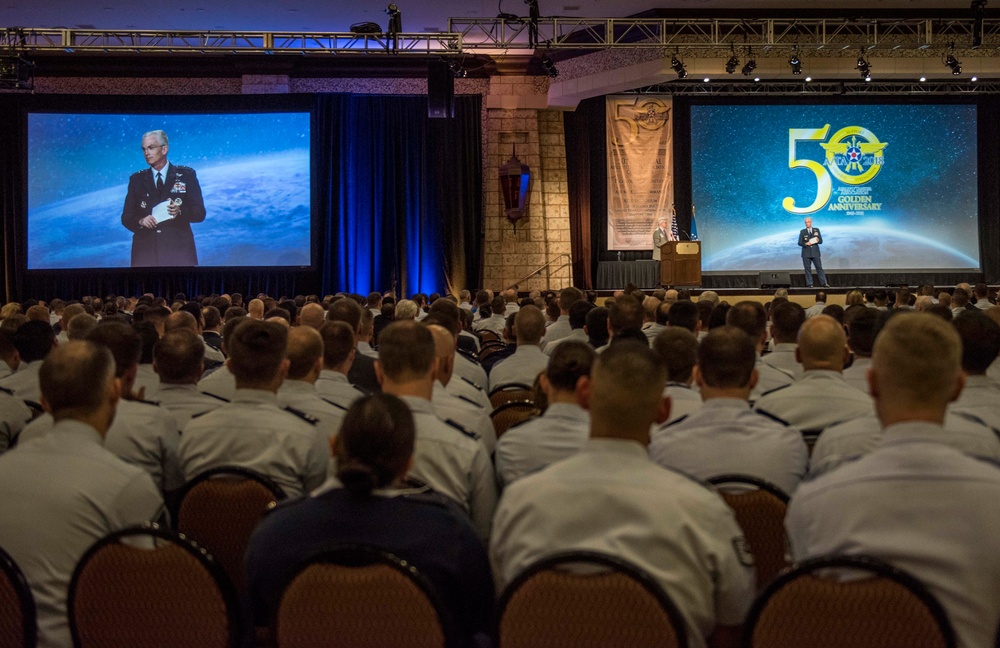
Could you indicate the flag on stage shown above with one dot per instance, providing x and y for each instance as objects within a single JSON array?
[
  {"x": 694, "y": 227},
  {"x": 673, "y": 227}
]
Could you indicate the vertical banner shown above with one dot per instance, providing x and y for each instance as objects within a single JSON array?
[{"x": 640, "y": 169}]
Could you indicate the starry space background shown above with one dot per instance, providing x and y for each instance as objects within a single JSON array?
[
  {"x": 254, "y": 171},
  {"x": 927, "y": 185}
]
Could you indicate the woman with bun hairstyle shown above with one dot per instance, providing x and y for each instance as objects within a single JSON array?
[{"x": 370, "y": 502}]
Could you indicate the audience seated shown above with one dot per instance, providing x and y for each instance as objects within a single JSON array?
[
  {"x": 677, "y": 348},
  {"x": 178, "y": 359},
  {"x": 466, "y": 412},
  {"x": 64, "y": 492},
  {"x": 33, "y": 341},
  {"x": 298, "y": 390},
  {"x": 980, "y": 345},
  {"x": 562, "y": 327},
  {"x": 370, "y": 503},
  {"x": 564, "y": 427},
  {"x": 786, "y": 320},
  {"x": 914, "y": 501},
  {"x": 448, "y": 458},
  {"x": 609, "y": 497},
  {"x": 821, "y": 396},
  {"x": 726, "y": 436},
  {"x": 751, "y": 318},
  {"x": 253, "y": 431},
  {"x": 528, "y": 360}
]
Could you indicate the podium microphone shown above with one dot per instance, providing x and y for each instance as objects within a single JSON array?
[{"x": 686, "y": 235}]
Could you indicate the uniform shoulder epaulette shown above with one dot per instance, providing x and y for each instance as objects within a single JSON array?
[
  {"x": 308, "y": 418},
  {"x": 224, "y": 400},
  {"x": 771, "y": 391},
  {"x": 361, "y": 389},
  {"x": 674, "y": 422},
  {"x": 468, "y": 355},
  {"x": 146, "y": 402},
  {"x": 139, "y": 172},
  {"x": 194, "y": 416},
  {"x": 701, "y": 482},
  {"x": 181, "y": 167},
  {"x": 470, "y": 382},
  {"x": 470, "y": 401},
  {"x": 815, "y": 472},
  {"x": 330, "y": 402},
  {"x": 771, "y": 416},
  {"x": 468, "y": 433},
  {"x": 5, "y": 390}
]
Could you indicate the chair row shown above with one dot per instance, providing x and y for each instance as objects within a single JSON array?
[{"x": 153, "y": 588}]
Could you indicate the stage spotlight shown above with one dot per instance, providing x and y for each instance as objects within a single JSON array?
[
  {"x": 974, "y": 79},
  {"x": 550, "y": 67},
  {"x": 864, "y": 67},
  {"x": 794, "y": 62},
  {"x": 808, "y": 79},
  {"x": 749, "y": 66},
  {"x": 953, "y": 63},
  {"x": 457, "y": 69},
  {"x": 923, "y": 79},
  {"x": 678, "y": 66}
]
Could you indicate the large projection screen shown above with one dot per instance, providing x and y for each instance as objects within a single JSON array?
[
  {"x": 892, "y": 187},
  {"x": 252, "y": 170}
]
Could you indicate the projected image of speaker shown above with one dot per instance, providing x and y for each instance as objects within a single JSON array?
[
  {"x": 775, "y": 280},
  {"x": 440, "y": 90}
]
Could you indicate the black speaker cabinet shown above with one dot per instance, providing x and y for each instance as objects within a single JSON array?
[
  {"x": 440, "y": 90},
  {"x": 775, "y": 280}
]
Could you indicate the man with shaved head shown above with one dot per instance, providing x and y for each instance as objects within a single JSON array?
[
  {"x": 611, "y": 498},
  {"x": 916, "y": 502},
  {"x": 820, "y": 397},
  {"x": 298, "y": 390},
  {"x": 312, "y": 315},
  {"x": 528, "y": 361},
  {"x": 462, "y": 410}
]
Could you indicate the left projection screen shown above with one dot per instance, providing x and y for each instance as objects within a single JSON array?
[{"x": 252, "y": 171}]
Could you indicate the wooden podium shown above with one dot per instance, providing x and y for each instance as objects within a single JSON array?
[{"x": 680, "y": 263}]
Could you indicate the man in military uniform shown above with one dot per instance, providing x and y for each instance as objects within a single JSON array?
[
  {"x": 448, "y": 458},
  {"x": 726, "y": 436},
  {"x": 609, "y": 497},
  {"x": 164, "y": 241},
  {"x": 254, "y": 431},
  {"x": 809, "y": 240}
]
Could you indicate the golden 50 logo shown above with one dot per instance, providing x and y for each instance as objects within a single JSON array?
[{"x": 853, "y": 156}]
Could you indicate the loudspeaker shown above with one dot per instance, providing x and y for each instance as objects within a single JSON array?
[
  {"x": 440, "y": 90},
  {"x": 775, "y": 280}
]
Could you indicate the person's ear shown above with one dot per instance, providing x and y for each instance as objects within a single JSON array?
[
  {"x": 663, "y": 410},
  {"x": 583, "y": 391},
  {"x": 379, "y": 374}
]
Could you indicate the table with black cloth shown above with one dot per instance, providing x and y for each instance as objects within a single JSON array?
[{"x": 614, "y": 275}]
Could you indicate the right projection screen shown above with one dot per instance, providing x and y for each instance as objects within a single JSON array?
[{"x": 891, "y": 187}]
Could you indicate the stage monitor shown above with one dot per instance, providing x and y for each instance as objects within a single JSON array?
[
  {"x": 891, "y": 186},
  {"x": 237, "y": 191}
]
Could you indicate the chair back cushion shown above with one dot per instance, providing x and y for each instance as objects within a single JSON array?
[{"x": 17, "y": 607}]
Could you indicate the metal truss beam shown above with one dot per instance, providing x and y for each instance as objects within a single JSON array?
[
  {"x": 818, "y": 33},
  {"x": 820, "y": 88},
  {"x": 151, "y": 42}
]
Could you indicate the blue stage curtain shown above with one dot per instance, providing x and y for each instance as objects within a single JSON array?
[{"x": 400, "y": 194}]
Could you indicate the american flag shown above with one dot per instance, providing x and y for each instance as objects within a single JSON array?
[{"x": 673, "y": 227}]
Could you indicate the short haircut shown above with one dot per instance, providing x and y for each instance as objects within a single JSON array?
[
  {"x": 338, "y": 342},
  {"x": 75, "y": 377},
  {"x": 786, "y": 319},
  {"x": 822, "y": 338},
  {"x": 683, "y": 313},
  {"x": 375, "y": 443},
  {"x": 37, "y": 313},
  {"x": 568, "y": 297},
  {"x": 980, "y": 341},
  {"x": 406, "y": 309},
  {"x": 123, "y": 342},
  {"x": 726, "y": 357},
  {"x": 345, "y": 310},
  {"x": 678, "y": 351},
  {"x": 750, "y": 317},
  {"x": 256, "y": 351},
  {"x": 597, "y": 326},
  {"x": 498, "y": 305},
  {"x": 180, "y": 319},
  {"x": 862, "y": 328},
  {"x": 628, "y": 381},
  {"x": 625, "y": 313},
  {"x": 578, "y": 313},
  {"x": 570, "y": 361},
  {"x": 158, "y": 135},
  {"x": 33, "y": 340},
  {"x": 305, "y": 348},
  {"x": 530, "y": 324},
  {"x": 278, "y": 312},
  {"x": 178, "y": 355},
  {"x": 960, "y": 297},
  {"x": 836, "y": 311},
  {"x": 406, "y": 350},
  {"x": 211, "y": 316},
  {"x": 81, "y": 324},
  {"x": 449, "y": 315},
  {"x": 195, "y": 309},
  {"x": 917, "y": 358},
  {"x": 662, "y": 309}
]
